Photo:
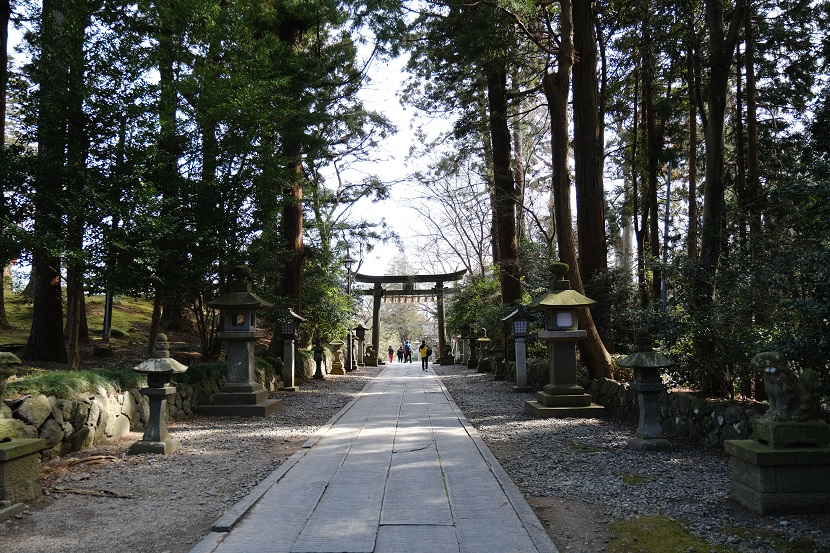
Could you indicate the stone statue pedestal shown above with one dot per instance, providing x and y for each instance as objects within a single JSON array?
[
  {"x": 777, "y": 481},
  {"x": 19, "y": 459},
  {"x": 792, "y": 433}
]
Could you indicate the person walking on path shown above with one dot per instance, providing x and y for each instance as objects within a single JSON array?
[
  {"x": 407, "y": 352},
  {"x": 391, "y": 352},
  {"x": 400, "y": 354},
  {"x": 424, "y": 351}
]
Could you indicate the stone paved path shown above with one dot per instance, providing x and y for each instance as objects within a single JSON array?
[{"x": 397, "y": 470}]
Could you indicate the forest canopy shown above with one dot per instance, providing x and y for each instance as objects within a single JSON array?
[{"x": 674, "y": 154}]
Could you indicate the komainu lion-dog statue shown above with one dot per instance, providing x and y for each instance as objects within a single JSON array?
[{"x": 792, "y": 397}]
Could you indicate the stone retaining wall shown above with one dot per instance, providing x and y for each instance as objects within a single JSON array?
[
  {"x": 702, "y": 422},
  {"x": 70, "y": 425}
]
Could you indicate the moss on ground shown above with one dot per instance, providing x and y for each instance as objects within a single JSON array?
[{"x": 656, "y": 534}]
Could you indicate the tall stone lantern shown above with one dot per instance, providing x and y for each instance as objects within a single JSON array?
[
  {"x": 360, "y": 334},
  {"x": 519, "y": 321},
  {"x": 484, "y": 361},
  {"x": 562, "y": 397},
  {"x": 465, "y": 343},
  {"x": 648, "y": 384},
  {"x": 242, "y": 395},
  {"x": 289, "y": 329}
]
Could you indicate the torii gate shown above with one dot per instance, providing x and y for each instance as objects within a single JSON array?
[{"x": 408, "y": 289}]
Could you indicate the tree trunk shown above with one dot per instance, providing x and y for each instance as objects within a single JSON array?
[
  {"x": 292, "y": 228},
  {"x": 754, "y": 191},
  {"x": 77, "y": 151},
  {"x": 5, "y": 15},
  {"x": 504, "y": 195},
  {"x": 155, "y": 318},
  {"x": 692, "y": 236},
  {"x": 166, "y": 171},
  {"x": 556, "y": 87},
  {"x": 4, "y": 319},
  {"x": 45, "y": 342},
  {"x": 653, "y": 146},
  {"x": 721, "y": 52},
  {"x": 588, "y": 162},
  {"x": 519, "y": 178}
]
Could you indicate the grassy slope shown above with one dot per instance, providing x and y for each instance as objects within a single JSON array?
[{"x": 129, "y": 315}]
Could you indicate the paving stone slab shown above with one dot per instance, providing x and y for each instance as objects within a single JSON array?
[
  {"x": 397, "y": 470},
  {"x": 416, "y": 539}
]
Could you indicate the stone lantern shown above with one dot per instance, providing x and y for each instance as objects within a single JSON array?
[
  {"x": 318, "y": 360},
  {"x": 360, "y": 334},
  {"x": 648, "y": 384},
  {"x": 519, "y": 321},
  {"x": 289, "y": 329},
  {"x": 336, "y": 361},
  {"x": 465, "y": 343},
  {"x": 484, "y": 360},
  {"x": 562, "y": 397},
  {"x": 242, "y": 395},
  {"x": 158, "y": 369}
]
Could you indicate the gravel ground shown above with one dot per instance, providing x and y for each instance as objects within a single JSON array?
[{"x": 576, "y": 474}]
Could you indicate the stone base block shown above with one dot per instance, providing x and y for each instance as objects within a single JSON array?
[
  {"x": 162, "y": 447},
  {"x": 11, "y": 510},
  {"x": 241, "y": 393},
  {"x": 446, "y": 360},
  {"x": 778, "y": 481},
  {"x": 541, "y": 411},
  {"x": 337, "y": 371},
  {"x": 563, "y": 400},
  {"x": 784, "y": 434},
  {"x": 649, "y": 444},
  {"x": 259, "y": 410},
  {"x": 18, "y": 469}
]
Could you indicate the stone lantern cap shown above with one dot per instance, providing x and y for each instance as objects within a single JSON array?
[
  {"x": 645, "y": 357},
  {"x": 161, "y": 362},
  {"x": 239, "y": 293},
  {"x": 560, "y": 294},
  {"x": 483, "y": 338}
]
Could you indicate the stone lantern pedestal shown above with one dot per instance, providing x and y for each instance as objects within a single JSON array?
[
  {"x": 562, "y": 397},
  {"x": 785, "y": 468},
  {"x": 242, "y": 395}
]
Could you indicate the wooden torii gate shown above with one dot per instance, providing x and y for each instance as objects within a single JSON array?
[{"x": 407, "y": 283}]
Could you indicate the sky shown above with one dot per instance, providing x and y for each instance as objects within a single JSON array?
[{"x": 381, "y": 95}]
